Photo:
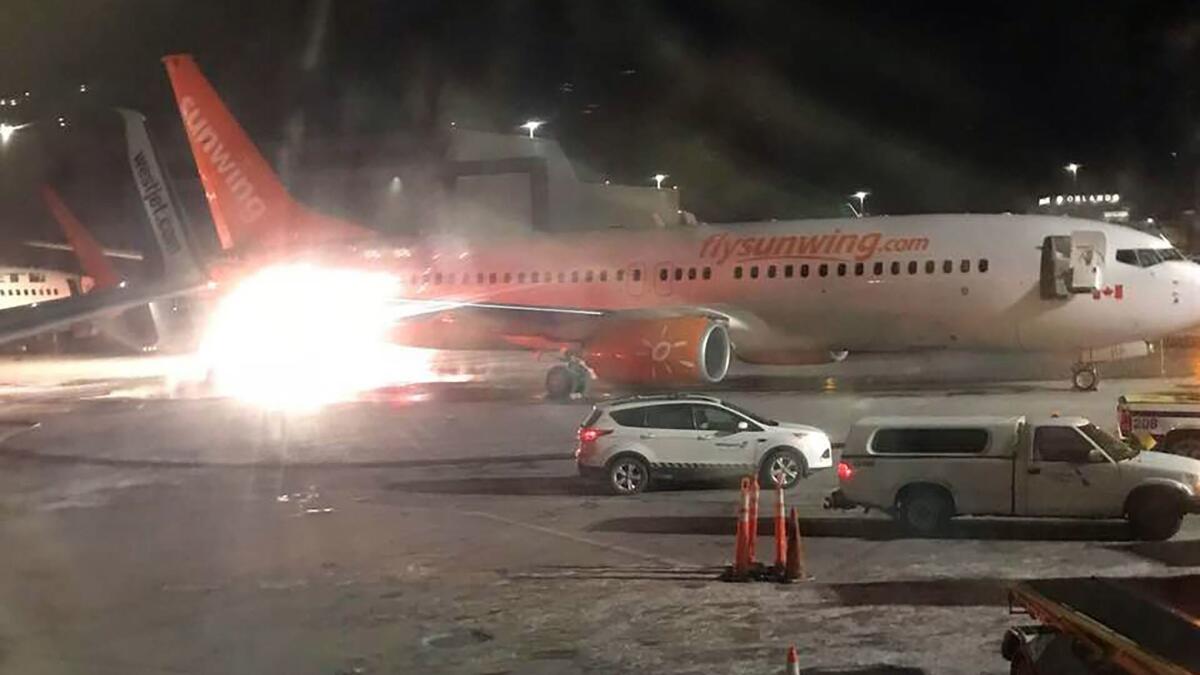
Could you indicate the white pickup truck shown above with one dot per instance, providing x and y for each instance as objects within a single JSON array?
[
  {"x": 926, "y": 470},
  {"x": 1170, "y": 418}
]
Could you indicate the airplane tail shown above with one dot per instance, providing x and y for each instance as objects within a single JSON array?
[
  {"x": 250, "y": 206},
  {"x": 87, "y": 250}
]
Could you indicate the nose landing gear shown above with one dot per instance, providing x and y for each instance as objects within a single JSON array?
[{"x": 1085, "y": 377}]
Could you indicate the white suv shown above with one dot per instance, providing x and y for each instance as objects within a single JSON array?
[{"x": 630, "y": 442}]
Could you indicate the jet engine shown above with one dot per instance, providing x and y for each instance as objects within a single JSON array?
[{"x": 661, "y": 351}]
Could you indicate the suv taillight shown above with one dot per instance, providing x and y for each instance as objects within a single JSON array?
[
  {"x": 590, "y": 434},
  {"x": 1124, "y": 420},
  {"x": 845, "y": 471}
]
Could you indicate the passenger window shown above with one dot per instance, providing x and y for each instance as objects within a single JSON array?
[
  {"x": 754, "y": 271},
  {"x": 947, "y": 266},
  {"x": 479, "y": 278},
  {"x": 637, "y": 275},
  {"x": 841, "y": 269},
  {"x": 878, "y": 269},
  {"x": 562, "y": 277},
  {"x": 737, "y": 272},
  {"x": 520, "y": 277},
  {"x": 707, "y": 274},
  {"x": 491, "y": 277},
  {"x": 912, "y": 267},
  {"x": 630, "y": 417},
  {"x": 664, "y": 274},
  {"x": 983, "y": 264},
  {"x": 1060, "y": 444},
  {"x": 603, "y": 275},
  {"x": 930, "y": 266},
  {"x": 533, "y": 277},
  {"x": 437, "y": 278},
  {"x": 620, "y": 275},
  {"x": 804, "y": 271},
  {"x": 858, "y": 269},
  {"x": 575, "y": 276},
  {"x": 678, "y": 274},
  {"x": 965, "y": 266},
  {"x": 823, "y": 270},
  {"x": 587, "y": 276},
  {"x": 712, "y": 418},
  {"x": 788, "y": 271},
  {"x": 895, "y": 267},
  {"x": 672, "y": 416},
  {"x": 771, "y": 271},
  {"x": 691, "y": 274},
  {"x": 964, "y": 441}
]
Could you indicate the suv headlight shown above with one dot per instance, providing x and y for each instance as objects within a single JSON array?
[{"x": 814, "y": 439}]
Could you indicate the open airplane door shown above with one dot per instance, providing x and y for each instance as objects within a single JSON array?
[
  {"x": 1073, "y": 264},
  {"x": 1087, "y": 261}
]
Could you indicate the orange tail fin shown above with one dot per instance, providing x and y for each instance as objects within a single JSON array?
[
  {"x": 250, "y": 207},
  {"x": 87, "y": 249}
]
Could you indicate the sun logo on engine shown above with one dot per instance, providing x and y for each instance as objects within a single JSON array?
[{"x": 659, "y": 352}]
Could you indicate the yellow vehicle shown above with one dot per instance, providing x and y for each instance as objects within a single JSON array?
[{"x": 1168, "y": 421}]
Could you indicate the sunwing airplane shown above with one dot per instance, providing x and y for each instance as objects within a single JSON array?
[
  {"x": 650, "y": 307},
  {"x": 658, "y": 306}
]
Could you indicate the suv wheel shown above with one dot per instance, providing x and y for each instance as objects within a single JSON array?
[
  {"x": 783, "y": 467},
  {"x": 925, "y": 511},
  {"x": 1156, "y": 516},
  {"x": 628, "y": 475}
]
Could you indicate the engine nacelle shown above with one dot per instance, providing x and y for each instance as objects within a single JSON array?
[{"x": 674, "y": 350}]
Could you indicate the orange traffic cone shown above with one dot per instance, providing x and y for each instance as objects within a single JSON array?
[
  {"x": 741, "y": 553},
  {"x": 753, "y": 520},
  {"x": 781, "y": 543},
  {"x": 795, "y": 553},
  {"x": 793, "y": 661}
]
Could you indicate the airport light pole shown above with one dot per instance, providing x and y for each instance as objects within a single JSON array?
[
  {"x": 532, "y": 126},
  {"x": 658, "y": 178},
  {"x": 861, "y": 196},
  {"x": 1073, "y": 169}
]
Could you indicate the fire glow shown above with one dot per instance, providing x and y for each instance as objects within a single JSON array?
[{"x": 299, "y": 336}]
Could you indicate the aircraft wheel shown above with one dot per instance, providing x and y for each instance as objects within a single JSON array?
[
  {"x": 1085, "y": 378},
  {"x": 560, "y": 382}
]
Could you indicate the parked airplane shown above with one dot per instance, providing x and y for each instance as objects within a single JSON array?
[
  {"x": 676, "y": 305},
  {"x": 648, "y": 307}
]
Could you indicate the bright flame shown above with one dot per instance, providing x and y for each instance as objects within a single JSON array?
[{"x": 298, "y": 336}]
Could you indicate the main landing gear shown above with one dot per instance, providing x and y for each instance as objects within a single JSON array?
[
  {"x": 568, "y": 380},
  {"x": 1085, "y": 377}
]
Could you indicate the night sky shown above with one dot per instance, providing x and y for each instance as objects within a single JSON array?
[{"x": 757, "y": 110}]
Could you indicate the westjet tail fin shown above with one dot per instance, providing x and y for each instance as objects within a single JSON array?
[
  {"x": 250, "y": 207},
  {"x": 87, "y": 250},
  {"x": 179, "y": 260}
]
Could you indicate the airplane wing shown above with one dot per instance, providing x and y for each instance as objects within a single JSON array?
[{"x": 27, "y": 320}]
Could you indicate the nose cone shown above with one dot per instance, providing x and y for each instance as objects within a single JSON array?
[{"x": 1185, "y": 295}]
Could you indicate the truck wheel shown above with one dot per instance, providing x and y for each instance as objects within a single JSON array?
[
  {"x": 1156, "y": 516},
  {"x": 925, "y": 511},
  {"x": 1188, "y": 446}
]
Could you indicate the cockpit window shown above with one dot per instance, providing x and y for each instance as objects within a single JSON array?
[{"x": 1147, "y": 257}]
